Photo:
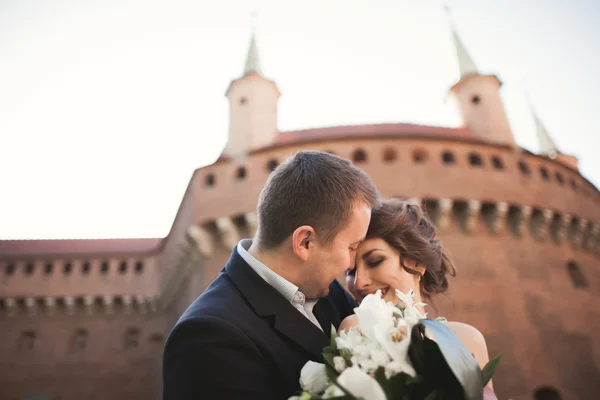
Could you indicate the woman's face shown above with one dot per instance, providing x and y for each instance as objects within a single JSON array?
[{"x": 378, "y": 267}]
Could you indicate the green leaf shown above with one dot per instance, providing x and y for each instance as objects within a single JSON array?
[
  {"x": 413, "y": 380},
  {"x": 490, "y": 369},
  {"x": 431, "y": 396},
  {"x": 395, "y": 386},
  {"x": 329, "y": 359},
  {"x": 333, "y": 336},
  {"x": 347, "y": 356},
  {"x": 445, "y": 363},
  {"x": 307, "y": 396}
]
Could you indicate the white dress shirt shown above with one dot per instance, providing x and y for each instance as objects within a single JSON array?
[{"x": 283, "y": 286}]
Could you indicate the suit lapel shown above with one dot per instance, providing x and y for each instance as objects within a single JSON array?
[
  {"x": 324, "y": 313},
  {"x": 266, "y": 301}
]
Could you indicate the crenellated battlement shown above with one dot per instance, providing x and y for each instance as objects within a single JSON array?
[
  {"x": 80, "y": 305},
  {"x": 455, "y": 215},
  {"x": 419, "y": 166}
]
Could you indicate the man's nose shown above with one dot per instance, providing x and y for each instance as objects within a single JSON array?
[{"x": 361, "y": 278}]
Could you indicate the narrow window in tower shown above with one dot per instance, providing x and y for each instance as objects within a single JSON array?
[
  {"x": 475, "y": 160},
  {"x": 48, "y": 268},
  {"x": 139, "y": 267},
  {"x": 123, "y": 267},
  {"x": 29, "y": 268},
  {"x": 524, "y": 168},
  {"x": 497, "y": 162},
  {"x": 27, "y": 340},
  {"x": 475, "y": 99},
  {"x": 272, "y": 164},
  {"x": 243, "y": 101},
  {"x": 80, "y": 339},
  {"x": 9, "y": 269},
  {"x": 156, "y": 338},
  {"x": 576, "y": 275},
  {"x": 419, "y": 156},
  {"x": 448, "y": 157},
  {"x": 359, "y": 156},
  {"x": 544, "y": 173},
  {"x": 389, "y": 155},
  {"x": 68, "y": 268},
  {"x": 85, "y": 268},
  {"x": 559, "y": 178},
  {"x": 209, "y": 180},
  {"x": 546, "y": 393},
  {"x": 240, "y": 174},
  {"x": 131, "y": 338},
  {"x": 104, "y": 268}
]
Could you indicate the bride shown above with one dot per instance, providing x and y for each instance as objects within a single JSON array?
[{"x": 401, "y": 252}]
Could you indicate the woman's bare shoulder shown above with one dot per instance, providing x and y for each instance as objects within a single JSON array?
[
  {"x": 349, "y": 322},
  {"x": 466, "y": 331},
  {"x": 472, "y": 338}
]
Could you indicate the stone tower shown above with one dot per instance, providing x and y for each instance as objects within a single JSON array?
[
  {"x": 547, "y": 147},
  {"x": 477, "y": 98},
  {"x": 252, "y": 108}
]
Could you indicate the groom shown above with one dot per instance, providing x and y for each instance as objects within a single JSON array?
[{"x": 271, "y": 308}]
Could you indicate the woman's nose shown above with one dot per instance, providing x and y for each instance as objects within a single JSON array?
[{"x": 362, "y": 279}]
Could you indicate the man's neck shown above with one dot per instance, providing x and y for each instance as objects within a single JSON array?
[{"x": 278, "y": 262}]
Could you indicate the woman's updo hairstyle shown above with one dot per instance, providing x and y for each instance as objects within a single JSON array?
[{"x": 405, "y": 227}]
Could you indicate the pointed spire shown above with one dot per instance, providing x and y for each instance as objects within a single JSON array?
[
  {"x": 252, "y": 60},
  {"x": 465, "y": 62},
  {"x": 546, "y": 145}
]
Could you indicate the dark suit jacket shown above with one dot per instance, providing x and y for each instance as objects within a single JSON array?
[{"x": 241, "y": 339}]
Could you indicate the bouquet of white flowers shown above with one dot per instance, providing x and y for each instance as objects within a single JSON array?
[{"x": 395, "y": 353}]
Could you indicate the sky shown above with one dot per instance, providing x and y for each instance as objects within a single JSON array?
[{"x": 107, "y": 107}]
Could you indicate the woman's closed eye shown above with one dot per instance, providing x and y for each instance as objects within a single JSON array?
[{"x": 375, "y": 262}]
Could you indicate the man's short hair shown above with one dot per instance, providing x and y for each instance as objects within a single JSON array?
[{"x": 311, "y": 188}]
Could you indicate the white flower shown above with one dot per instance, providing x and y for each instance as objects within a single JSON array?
[
  {"x": 394, "y": 368},
  {"x": 333, "y": 391},
  {"x": 373, "y": 310},
  {"x": 367, "y": 365},
  {"x": 395, "y": 341},
  {"x": 313, "y": 377},
  {"x": 339, "y": 363},
  {"x": 410, "y": 311},
  {"x": 409, "y": 299},
  {"x": 380, "y": 357},
  {"x": 358, "y": 383},
  {"x": 350, "y": 338}
]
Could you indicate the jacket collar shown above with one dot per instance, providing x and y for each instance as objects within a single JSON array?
[{"x": 266, "y": 301}]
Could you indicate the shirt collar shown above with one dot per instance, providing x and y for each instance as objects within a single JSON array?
[{"x": 283, "y": 286}]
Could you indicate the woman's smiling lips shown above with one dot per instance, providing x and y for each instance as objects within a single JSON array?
[{"x": 384, "y": 291}]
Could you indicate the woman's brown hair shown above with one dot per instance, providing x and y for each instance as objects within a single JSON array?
[{"x": 406, "y": 228}]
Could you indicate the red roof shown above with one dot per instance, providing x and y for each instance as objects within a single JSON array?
[
  {"x": 374, "y": 131},
  {"x": 57, "y": 247}
]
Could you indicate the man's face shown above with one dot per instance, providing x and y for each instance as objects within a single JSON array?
[{"x": 333, "y": 259}]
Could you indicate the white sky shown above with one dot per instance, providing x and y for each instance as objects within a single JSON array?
[{"x": 107, "y": 107}]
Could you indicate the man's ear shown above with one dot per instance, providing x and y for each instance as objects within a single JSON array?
[{"x": 302, "y": 241}]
